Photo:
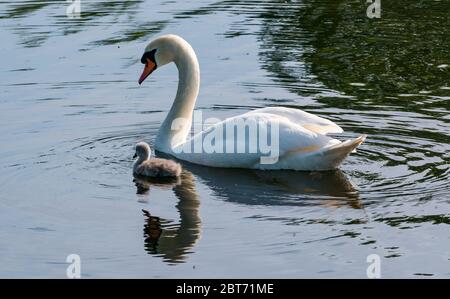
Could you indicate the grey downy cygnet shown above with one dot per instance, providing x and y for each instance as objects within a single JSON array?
[{"x": 153, "y": 167}]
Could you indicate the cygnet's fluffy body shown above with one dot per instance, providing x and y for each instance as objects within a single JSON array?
[{"x": 153, "y": 167}]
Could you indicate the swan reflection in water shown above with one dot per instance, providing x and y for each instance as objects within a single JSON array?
[
  {"x": 174, "y": 241},
  {"x": 162, "y": 237},
  {"x": 278, "y": 187}
]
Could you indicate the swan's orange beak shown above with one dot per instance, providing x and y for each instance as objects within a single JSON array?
[{"x": 148, "y": 69}]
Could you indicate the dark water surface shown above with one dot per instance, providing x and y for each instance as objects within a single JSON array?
[{"x": 71, "y": 112}]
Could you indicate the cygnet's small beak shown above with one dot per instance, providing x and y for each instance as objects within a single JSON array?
[
  {"x": 135, "y": 156},
  {"x": 150, "y": 66}
]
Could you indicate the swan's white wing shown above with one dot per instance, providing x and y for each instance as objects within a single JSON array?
[
  {"x": 291, "y": 139},
  {"x": 307, "y": 120}
]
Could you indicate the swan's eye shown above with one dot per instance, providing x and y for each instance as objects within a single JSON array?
[{"x": 149, "y": 55}]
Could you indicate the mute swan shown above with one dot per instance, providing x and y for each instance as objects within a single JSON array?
[
  {"x": 153, "y": 168},
  {"x": 300, "y": 141}
]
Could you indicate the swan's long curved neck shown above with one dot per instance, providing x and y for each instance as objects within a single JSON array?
[{"x": 177, "y": 125}]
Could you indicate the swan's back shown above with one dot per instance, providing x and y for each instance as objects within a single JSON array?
[{"x": 156, "y": 167}]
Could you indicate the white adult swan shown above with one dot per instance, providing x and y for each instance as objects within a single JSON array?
[{"x": 300, "y": 139}]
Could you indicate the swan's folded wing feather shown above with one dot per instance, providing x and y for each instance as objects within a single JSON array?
[
  {"x": 307, "y": 120},
  {"x": 290, "y": 138}
]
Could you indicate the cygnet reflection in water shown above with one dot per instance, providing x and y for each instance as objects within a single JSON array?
[{"x": 143, "y": 184}]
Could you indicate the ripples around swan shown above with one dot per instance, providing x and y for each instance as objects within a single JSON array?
[{"x": 72, "y": 112}]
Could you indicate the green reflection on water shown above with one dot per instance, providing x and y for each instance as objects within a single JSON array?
[{"x": 402, "y": 53}]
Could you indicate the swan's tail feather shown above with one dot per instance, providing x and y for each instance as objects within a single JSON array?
[{"x": 335, "y": 154}]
